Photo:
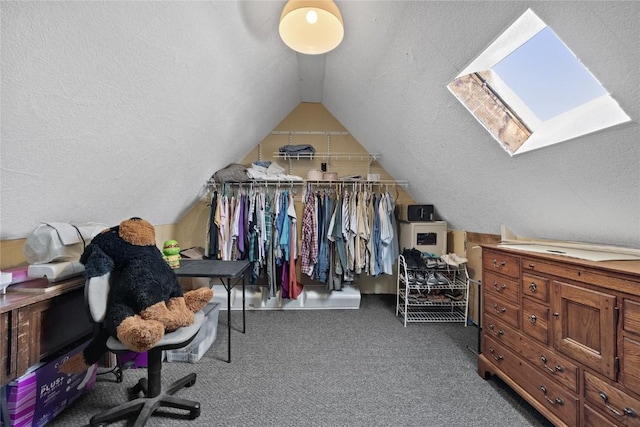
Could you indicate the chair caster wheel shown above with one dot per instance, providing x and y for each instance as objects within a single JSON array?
[
  {"x": 134, "y": 391},
  {"x": 194, "y": 413},
  {"x": 190, "y": 383}
]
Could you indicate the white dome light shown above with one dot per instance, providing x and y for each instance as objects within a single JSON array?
[{"x": 312, "y": 27}]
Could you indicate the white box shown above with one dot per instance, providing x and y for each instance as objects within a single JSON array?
[
  {"x": 424, "y": 236},
  {"x": 203, "y": 340}
]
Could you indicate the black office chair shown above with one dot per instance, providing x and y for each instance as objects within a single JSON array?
[{"x": 154, "y": 395}]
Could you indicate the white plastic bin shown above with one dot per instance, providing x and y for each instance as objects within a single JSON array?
[{"x": 203, "y": 340}]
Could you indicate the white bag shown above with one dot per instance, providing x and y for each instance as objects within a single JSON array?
[{"x": 57, "y": 241}]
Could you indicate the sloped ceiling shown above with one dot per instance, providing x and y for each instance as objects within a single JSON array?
[{"x": 114, "y": 109}]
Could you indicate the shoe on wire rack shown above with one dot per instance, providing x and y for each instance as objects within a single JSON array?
[
  {"x": 411, "y": 277},
  {"x": 457, "y": 258},
  {"x": 441, "y": 279},
  {"x": 408, "y": 259},
  {"x": 431, "y": 262},
  {"x": 417, "y": 257},
  {"x": 431, "y": 279},
  {"x": 448, "y": 258},
  {"x": 455, "y": 296}
]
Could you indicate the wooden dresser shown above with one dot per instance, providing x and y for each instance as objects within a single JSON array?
[
  {"x": 34, "y": 326},
  {"x": 564, "y": 333}
]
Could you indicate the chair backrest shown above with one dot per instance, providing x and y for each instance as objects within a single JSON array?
[{"x": 96, "y": 294}]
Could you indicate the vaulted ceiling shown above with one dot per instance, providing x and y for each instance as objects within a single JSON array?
[{"x": 115, "y": 109}]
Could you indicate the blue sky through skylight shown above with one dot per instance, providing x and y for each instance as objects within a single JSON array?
[{"x": 547, "y": 76}]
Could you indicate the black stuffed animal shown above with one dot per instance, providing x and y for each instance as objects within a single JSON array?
[{"x": 145, "y": 298}]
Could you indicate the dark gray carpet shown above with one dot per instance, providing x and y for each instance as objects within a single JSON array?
[{"x": 330, "y": 368}]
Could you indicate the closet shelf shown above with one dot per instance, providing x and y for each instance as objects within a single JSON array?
[{"x": 370, "y": 157}]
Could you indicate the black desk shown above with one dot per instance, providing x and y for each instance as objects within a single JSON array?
[{"x": 232, "y": 271}]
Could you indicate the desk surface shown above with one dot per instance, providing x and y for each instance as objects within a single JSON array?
[
  {"x": 15, "y": 298},
  {"x": 211, "y": 268}
]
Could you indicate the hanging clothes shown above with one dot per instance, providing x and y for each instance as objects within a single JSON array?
[
  {"x": 345, "y": 232},
  {"x": 336, "y": 236},
  {"x": 371, "y": 253},
  {"x": 212, "y": 249},
  {"x": 386, "y": 237},
  {"x": 223, "y": 220},
  {"x": 295, "y": 288},
  {"x": 253, "y": 250},
  {"x": 394, "y": 248},
  {"x": 309, "y": 245},
  {"x": 325, "y": 249},
  {"x": 377, "y": 244},
  {"x": 319, "y": 230},
  {"x": 270, "y": 260}
]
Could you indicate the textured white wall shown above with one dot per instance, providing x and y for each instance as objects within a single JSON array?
[
  {"x": 119, "y": 109},
  {"x": 387, "y": 86},
  {"x": 115, "y": 109}
]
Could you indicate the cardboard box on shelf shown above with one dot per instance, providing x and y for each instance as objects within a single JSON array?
[
  {"x": 43, "y": 392},
  {"x": 190, "y": 283},
  {"x": 474, "y": 268}
]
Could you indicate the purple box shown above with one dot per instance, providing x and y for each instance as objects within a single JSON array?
[
  {"x": 43, "y": 392},
  {"x": 137, "y": 360}
]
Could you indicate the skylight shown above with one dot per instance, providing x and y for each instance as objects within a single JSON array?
[
  {"x": 567, "y": 83},
  {"x": 529, "y": 90}
]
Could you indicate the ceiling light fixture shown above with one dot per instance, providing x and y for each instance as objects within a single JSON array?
[{"x": 312, "y": 27}]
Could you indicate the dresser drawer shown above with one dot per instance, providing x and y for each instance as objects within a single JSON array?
[
  {"x": 535, "y": 320},
  {"x": 631, "y": 316},
  {"x": 501, "y": 356},
  {"x": 555, "y": 398},
  {"x": 499, "y": 285},
  {"x": 630, "y": 364},
  {"x": 501, "y": 263},
  {"x": 503, "y": 310},
  {"x": 608, "y": 400},
  {"x": 580, "y": 274},
  {"x": 501, "y": 331},
  {"x": 535, "y": 287},
  {"x": 550, "y": 363},
  {"x": 592, "y": 418}
]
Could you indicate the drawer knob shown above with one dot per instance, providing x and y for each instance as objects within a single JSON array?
[
  {"x": 533, "y": 287},
  {"x": 500, "y": 311},
  {"x": 558, "y": 368},
  {"x": 497, "y": 264},
  {"x": 499, "y": 358},
  {"x": 494, "y": 332},
  {"x": 625, "y": 412},
  {"x": 533, "y": 319},
  {"x": 499, "y": 288},
  {"x": 556, "y": 401}
]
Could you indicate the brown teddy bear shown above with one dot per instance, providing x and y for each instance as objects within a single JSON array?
[{"x": 145, "y": 299}]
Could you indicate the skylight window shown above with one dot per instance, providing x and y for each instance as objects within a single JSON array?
[{"x": 530, "y": 91}]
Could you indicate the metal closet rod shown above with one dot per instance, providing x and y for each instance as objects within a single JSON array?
[{"x": 394, "y": 182}]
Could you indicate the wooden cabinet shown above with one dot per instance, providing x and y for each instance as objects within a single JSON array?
[
  {"x": 564, "y": 333},
  {"x": 36, "y": 325},
  {"x": 584, "y": 327}
]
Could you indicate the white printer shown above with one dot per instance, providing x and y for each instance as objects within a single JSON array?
[{"x": 53, "y": 249}]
